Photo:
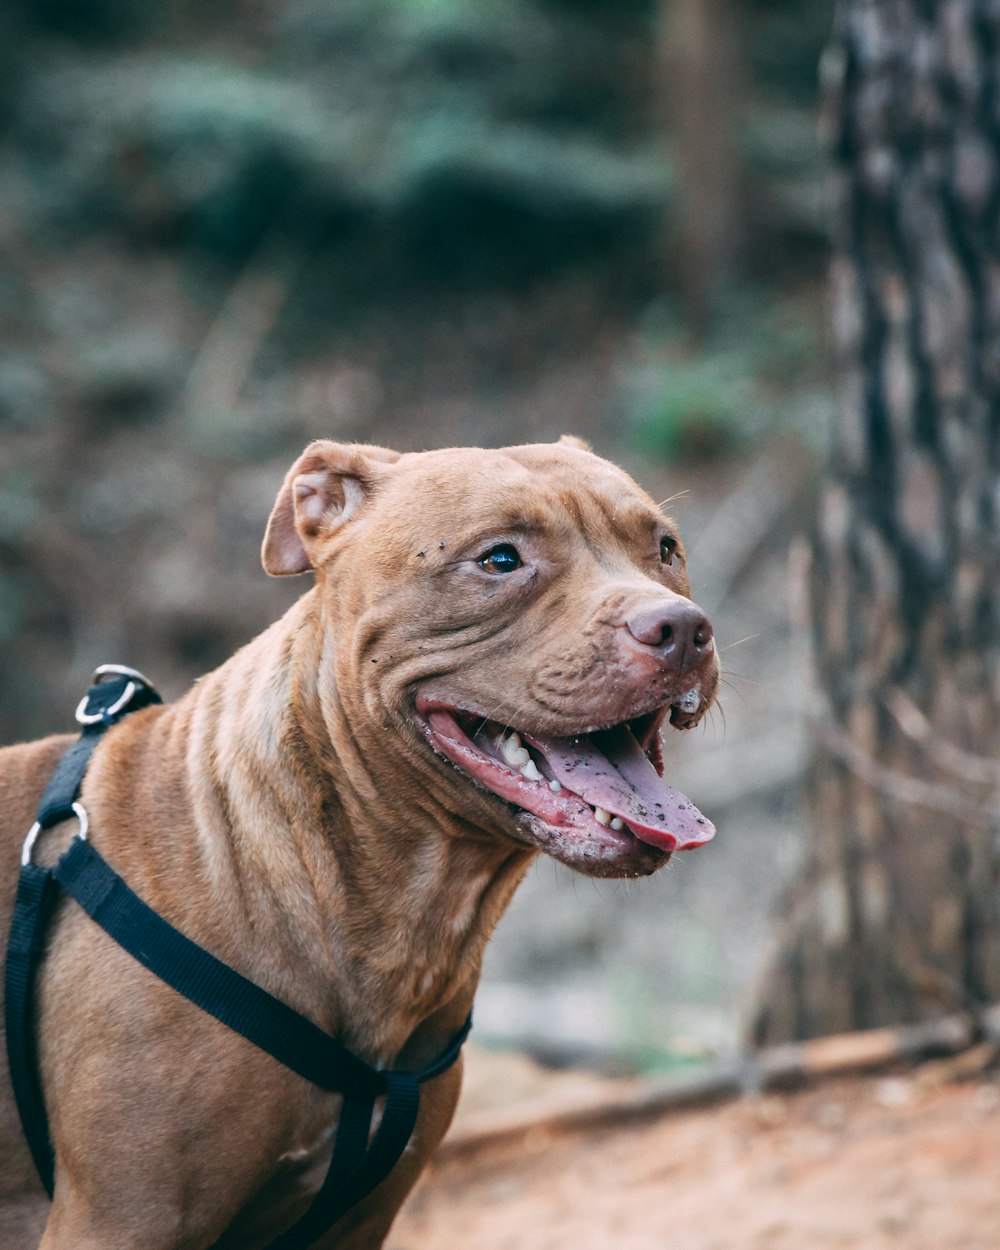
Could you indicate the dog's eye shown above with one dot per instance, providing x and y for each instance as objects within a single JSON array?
[
  {"x": 668, "y": 549},
  {"x": 500, "y": 559}
]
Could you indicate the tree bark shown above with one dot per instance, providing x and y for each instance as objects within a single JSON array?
[{"x": 898, "y": 913}]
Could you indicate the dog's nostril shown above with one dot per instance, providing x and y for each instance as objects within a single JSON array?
[
  {"x": 670, "y": 625},
  {"x": 703, "y": 633}
]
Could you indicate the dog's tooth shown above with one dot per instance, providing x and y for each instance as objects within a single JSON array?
[
  {"x": 555, "y": 786},
  {"x": 617, "y": 823},
  {"x": 513, "y": 752},
  {"x": 601, "y": 816},
  {"x": 530, "y": 771}
]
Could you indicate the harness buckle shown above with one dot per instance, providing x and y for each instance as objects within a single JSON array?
[
  {"x": 79, "y": 811},
  {"x": 136, "y": 681}
]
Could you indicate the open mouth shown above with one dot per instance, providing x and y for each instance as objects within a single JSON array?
[{"x": 606, "y": 785}]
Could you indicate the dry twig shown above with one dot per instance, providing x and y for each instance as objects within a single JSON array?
[{"x": 914, "y": 791}]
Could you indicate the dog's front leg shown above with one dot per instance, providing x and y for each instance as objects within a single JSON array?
[
  {"x": 73, "y": 1226},
  {"x": 128, "y": 1218},
  {"x": 367, "y": 1225}
]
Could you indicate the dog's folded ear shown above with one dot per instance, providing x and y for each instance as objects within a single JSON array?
[
  {"x": 322, "y": 490},
  {"x": 571, "y": 440}
]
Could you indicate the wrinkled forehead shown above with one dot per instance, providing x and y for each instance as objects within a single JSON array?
[{"x": 536, "y": 488}]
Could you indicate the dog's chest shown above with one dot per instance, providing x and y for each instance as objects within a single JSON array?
[
  {"x": 299, "y": 1160},
  {"x": 285, "y": 1196}
]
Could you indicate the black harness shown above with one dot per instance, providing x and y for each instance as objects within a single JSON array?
[{"x": 360, "y": 1161}]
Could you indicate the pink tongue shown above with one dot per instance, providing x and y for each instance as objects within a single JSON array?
[{"x": 610, "y": 770}]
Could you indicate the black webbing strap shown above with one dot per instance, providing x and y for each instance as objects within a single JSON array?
[
  {"x": 36, "y": 892},
  {"x": 206, "y": 981},
  {"x": 340, "y": 1189},
  {"x": 116, "y": 692},
  {"x": 115, "y": 695},
  {"x": 357, "y": 1166}
]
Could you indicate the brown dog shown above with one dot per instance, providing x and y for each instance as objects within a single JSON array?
[{"x": 342, "y": 812}]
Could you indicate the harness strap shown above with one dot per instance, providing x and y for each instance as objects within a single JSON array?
[
  {"x": 36, "y": 893},
  {"x": 206, "y": 981},
  {"x": 116, "y": 691},
  {"x": 356, "y": 1166},
  {"x": 337, "y": 1193}
]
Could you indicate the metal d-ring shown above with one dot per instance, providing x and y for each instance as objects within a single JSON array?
[
  {"x": 79, "y": 811},
  {"x": 136, "y": 679},
  {"x": 83, "y": 717},
  {"x": 120, "y": 670}
]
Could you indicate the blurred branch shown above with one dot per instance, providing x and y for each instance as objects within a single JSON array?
[
  {"x": 740, "y": 525},
  {"x": 913, "y": 791},
  {"x": 245, "y": 318},
  {"x": 950, "y": 1043},
  {"x": 975, "y": 769}
]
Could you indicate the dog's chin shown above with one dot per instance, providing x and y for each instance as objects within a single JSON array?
[
  {"x": 599, "y": 852},
  {"x": 595, "y": 800}
]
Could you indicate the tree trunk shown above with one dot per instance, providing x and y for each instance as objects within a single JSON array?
[
  {"x": 898, "y": 913},
  {"x": 702, "y": 94}
]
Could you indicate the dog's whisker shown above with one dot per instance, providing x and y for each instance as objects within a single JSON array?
[
  {"x": 710, "y": 718},
  {"x": 739, "y": 642},
  {"x": 736, "y": 691},
  {"x": 680, "y": 494},
  {"x": 729, "y": 681}
]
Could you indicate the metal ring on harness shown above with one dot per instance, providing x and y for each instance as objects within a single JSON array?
[
  {"x": 79, "y": 811},
  {"x": 136, "y": 679}
]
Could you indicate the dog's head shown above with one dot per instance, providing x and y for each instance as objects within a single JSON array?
[{"x": 516, "y": 626}]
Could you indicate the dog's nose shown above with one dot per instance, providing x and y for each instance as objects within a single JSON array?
[{"x": 672, "y": 626}]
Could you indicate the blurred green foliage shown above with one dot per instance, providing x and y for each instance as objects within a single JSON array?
[
  {"x": 697, "y": 408},
  {"x": 763, "y": 370},
  {"x": 490, "y": 119},
  {"x": 505, "y": 127},
  {"x": 650, "y": 1037}
]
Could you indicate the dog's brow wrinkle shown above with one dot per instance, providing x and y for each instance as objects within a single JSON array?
[{"x": 514, "y": 521}]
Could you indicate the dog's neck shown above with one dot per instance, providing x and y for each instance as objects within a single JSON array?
[{"x": 370, "y": 906}]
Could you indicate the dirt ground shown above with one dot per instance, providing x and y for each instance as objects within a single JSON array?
[{"x": 887, "y": 1162}]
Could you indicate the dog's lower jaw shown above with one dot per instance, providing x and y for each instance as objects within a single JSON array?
[
  {"x": 550, "y": 791},
  {"x": 611, "y": 855}
]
